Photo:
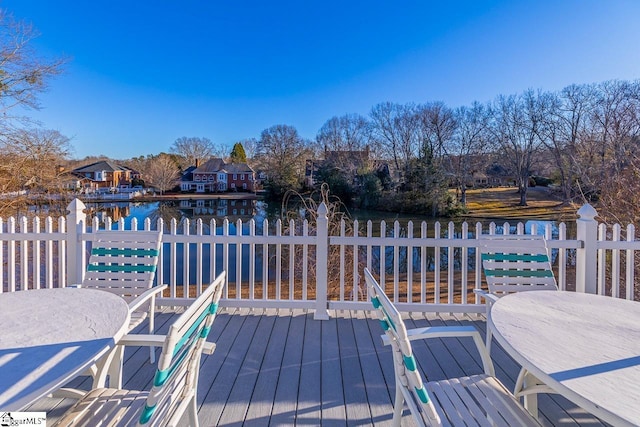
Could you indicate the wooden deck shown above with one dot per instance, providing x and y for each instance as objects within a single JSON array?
[{"x": 284, "y": 368}]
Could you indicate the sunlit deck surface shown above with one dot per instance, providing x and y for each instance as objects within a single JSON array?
[{"x": 284, "y": 368}]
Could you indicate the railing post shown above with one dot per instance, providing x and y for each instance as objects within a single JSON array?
[
  {"x": 587, "y": 256},
  {"x": 322, "y": 268},
  {"x": 75, "y": 253}
]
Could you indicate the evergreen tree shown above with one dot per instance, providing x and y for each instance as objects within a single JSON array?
[{"x": 237, "y": 154}]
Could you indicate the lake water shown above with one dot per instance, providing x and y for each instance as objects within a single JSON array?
[{"x": 247, "y": 209}]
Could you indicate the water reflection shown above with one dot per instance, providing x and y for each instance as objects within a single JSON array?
[{"x": 244, "y": 209}]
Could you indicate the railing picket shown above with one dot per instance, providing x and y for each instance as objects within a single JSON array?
[
  {"x": 436, "y": 266},
  {"x": 24, "y": 255},
  {"x": 305, "y": 261},
  {"x": 225, "y": 254},
  {"x": 450, "y": 264},
  {"x": 11, "y": 255},
  {"x": 465, "y": 263},
  {"x": 252, "y": 265},
  {"x": 199, "y": 257},
  {"x": 383, "y": 252},
  {"x": 342, "y": 263},
  {"x": 410, "y": 263},
  {"x": 278, "y": 261},
  {"x": 423, "y": 264},
  {"x": 629, "y": 285},
  {"x": 615, "y": 263},
  {"x": 562, "y": 258},
  {"x": 239, "y": 260},
  {"x": 292, "y": 260},
  {"x": 36, "y": 262},
  {"x": 2, "y": 281},
  {"x": 62, "y": 254},
  {"x": 48, "y": 253},
  {"x": 478, "y": 261},
  {"x": 396, "y": 262},
  {"x": 173, "y": 260},
  {"x": 185, "y": 259},
  {"x": 602, "y": 236},
  {"x": 265, "y": 261},
  {"x": 355, "y": 283}
]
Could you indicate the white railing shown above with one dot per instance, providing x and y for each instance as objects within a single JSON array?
[{"x": 297, "y": 265}]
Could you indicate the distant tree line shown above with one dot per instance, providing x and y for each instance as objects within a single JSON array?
[{"x": 584, "y": 137}]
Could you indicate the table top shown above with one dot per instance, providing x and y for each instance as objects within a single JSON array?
[
  {"x": 586, "y": 347},
  {"x": 49, "y": 336}
]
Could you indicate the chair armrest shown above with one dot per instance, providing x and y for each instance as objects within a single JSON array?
[
  {"x": 209, "y": 347},
  {"x": 154, "y": 340},
  {"x": 142, "y": 340},
  {"x": 452, "y": 332},
  {"x": 146, "y": 295},
  {"x": 488, "y": 296}
]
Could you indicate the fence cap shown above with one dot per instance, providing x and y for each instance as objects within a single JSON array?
[
  {"x": 587, "y": 212},
  {"x": 76, "y": 205}
]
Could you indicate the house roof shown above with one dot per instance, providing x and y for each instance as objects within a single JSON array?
[
  {"x": 218, "y": 165},
  {"x": 210, "y": 166},
  {"x": 238, "y": 168},
  {"x": 103, "y": 165},
  {"x": 187, "y": 175}
]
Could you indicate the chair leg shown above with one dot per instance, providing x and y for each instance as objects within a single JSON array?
[
  {"x": 398, "y": 406},
  {"x": 152, "y": 313},
  {"x": 528, "y": 387},
  {"x": 193, "y": 412},
  {"x": 489, "y": 337}
]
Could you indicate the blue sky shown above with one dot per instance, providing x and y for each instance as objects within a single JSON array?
[{"x": 144, "y": 73}]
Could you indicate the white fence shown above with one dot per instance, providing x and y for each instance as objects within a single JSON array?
[{"x": 299, "y": 265}]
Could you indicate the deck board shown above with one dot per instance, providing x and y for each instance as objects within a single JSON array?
[
  {"x": 309, "y": 403},
  {"x": 278, "y": 368}
]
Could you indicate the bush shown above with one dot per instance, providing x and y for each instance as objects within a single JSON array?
[{"x": 541, "y": 181}]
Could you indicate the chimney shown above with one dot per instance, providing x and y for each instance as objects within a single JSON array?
[{"x": 197, "y": 162}]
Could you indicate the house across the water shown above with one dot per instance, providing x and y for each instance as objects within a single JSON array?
[{"x": 216, "y": 176}]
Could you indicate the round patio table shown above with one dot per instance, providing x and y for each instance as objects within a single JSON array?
[
  {"x": 585, "y": 347},
  {"x": 50, "y": 336}
]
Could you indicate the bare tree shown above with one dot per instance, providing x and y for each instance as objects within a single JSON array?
[
  {"x": 437, "y": 124},
  {"x": 193, "y": 149},
  {"x": 23, "y": 74},
  {"x": 345, "y": 137},
  {"x": 517, "y": 126},
  {"x": 32, "y": 160},
  {"x": 396, "y": 126},
  {"x": 565, "y": 128},
  {"x": 468, "y": 143},
  {"x": 161, "y": 172},
  {"x": 282, "y": 154}
]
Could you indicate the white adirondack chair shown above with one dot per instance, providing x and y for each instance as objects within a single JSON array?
[
  {"x": 477, "y": 400},
  {"x": 516, "y": 263},
  {"x": 125, "y": 263},
  {"x": 176, "y": 380}
]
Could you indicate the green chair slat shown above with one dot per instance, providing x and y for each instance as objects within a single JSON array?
[
  {"x": 125, "y": 252},
  {"x": 515, "y": 257},
  {"x": 128, "y": 268},
  {"x": 519, "y": 273}
]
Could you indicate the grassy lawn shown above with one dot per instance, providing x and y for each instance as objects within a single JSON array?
[{"x": 502, "y": 202}]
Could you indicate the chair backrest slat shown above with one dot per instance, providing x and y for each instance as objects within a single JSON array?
[
  {"x": 514, "y": 263},
  {"x": 178, "y": 366}
]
